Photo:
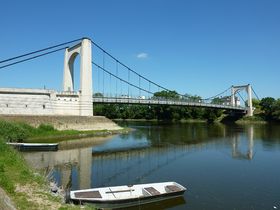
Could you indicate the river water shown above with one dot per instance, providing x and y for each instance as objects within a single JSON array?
[{"x": 222, "y": 166}]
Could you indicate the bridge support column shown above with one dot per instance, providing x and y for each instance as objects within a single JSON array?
[
  {"x": 232, "y": 98},
  {"x": 85, "y": 92},
  {"x": 248, "y": 88},
  {"x": 250, "y": 104}
]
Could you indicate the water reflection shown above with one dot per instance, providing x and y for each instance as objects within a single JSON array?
[
  {"x": 68, "y": 163},
  {"x": 166, "y": 204},
  {"x": 169, "y": 143},
  {"x": 236, "y": 148},
  {"x": 154, "y": 153}
]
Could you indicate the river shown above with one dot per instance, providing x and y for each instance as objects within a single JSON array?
[{"x": 222, "y": 166}]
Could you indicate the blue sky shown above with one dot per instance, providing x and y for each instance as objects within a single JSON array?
[{"x": 192, "y": 46}]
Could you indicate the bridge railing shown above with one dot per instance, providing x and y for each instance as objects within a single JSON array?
[
  {"x": 190, "y": 100},
  {"x": 161, "y": 101}
]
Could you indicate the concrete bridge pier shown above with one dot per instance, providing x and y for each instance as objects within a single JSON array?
[
  {"x": 248, "y": 88},
  {"x": 85, "y": 91}
]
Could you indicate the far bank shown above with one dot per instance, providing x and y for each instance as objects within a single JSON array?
[{"x": 47, "y": 129}]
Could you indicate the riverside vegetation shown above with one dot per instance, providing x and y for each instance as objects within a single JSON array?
[
  {"x": 26, "y": 188},
  {"x": 44, "y": 133}
]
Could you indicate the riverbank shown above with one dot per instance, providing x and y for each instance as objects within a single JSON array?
[
  {"x": 24, "y": 188},
  {"x": 57, "y": 136},
  {"x": 251, "y": 120},
  {"x": 28, "y": 129},
  {"x": 21, "y": 187},
  {"x": 79, "y": 123},
  {"x": 162, "y": 121}
]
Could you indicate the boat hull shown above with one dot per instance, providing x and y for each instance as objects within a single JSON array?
[
  {"x": 34, "y": 147},
  {"x": 129, "y": 202}
]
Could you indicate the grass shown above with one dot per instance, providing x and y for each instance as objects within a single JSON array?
[
  {"x": 27, "y": 189},
  {"x": 251, "y": 119},
  {"x": 22, "y": 132}
]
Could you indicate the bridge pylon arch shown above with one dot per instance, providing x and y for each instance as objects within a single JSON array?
[
  {"x": 248, "y": 88},
  {"x": 85, "y": 91}
]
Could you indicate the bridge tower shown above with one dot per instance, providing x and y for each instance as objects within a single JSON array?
[
  {"x": 248, "y": 88},
  {"x": 85, "y": 92}
]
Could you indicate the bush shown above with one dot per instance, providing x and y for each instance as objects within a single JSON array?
[{"x": 13, "y": 131}]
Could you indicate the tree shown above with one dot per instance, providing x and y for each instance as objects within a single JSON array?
[
  {"x": 267, "y": 106},
  {"x": 276, "y": 110},
  {"x": 256, "y": 103},
  {"x": 97, "y": 95},
  {"x": 166, "y": 94},
  {"x": 257, "y": 106},
  {"x": 217, "y": 101},
  {"x": 194, "y": 98}
]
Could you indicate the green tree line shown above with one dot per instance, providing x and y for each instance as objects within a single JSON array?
[
  {"x": 159, "y": 112},
  {"x": 267, "y": 109}
]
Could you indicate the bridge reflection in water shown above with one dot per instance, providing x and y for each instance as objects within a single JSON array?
[{"x": 89, "y": 166}]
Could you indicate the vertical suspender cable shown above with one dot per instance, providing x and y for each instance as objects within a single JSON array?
[
  {"x": 117, "y": 79},
  {"x": 128, "y": 71},
  {"x": 103, "y": 72},
  {"x": 150, "y": 87},
  {"x": 110, "y": 85},
  {"x": 139, "y": 87}
]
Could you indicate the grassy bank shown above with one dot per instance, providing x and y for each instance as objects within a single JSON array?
[
  {"x": 251, "y": 120},
  {"x": 26, "y": 188},
  {"x": 22, "y": 132}
]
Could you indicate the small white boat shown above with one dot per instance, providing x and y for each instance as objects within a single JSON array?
[
  {"x": 34, "y": 146},
  {"x": 127, "y": 195}
]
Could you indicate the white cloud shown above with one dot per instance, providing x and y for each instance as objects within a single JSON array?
[{"x": 142, "y": 55}]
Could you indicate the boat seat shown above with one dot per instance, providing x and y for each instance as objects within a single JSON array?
[
  {"x": 172, "y": 188},
  {"x": 89, "y": 194},
  {"x": 152, "y": 191}
]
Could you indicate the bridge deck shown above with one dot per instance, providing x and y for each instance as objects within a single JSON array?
[{"x": 108, "y": 100}]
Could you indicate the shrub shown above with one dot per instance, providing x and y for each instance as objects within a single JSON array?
[{"x": 13, "y": 131}]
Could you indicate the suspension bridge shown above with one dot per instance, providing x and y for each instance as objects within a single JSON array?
[{"x": 115, "y": 83}]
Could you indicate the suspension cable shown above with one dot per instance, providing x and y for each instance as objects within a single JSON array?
[
  {"x": 217, "y": 94},
  {"x": 121, "y": 78},
  {"x": 31, "y": 58},
  {"x": 150, "y": 82},
  {"x": 241, "y": 97},
  {"x": 255, "y": 93},
  {"x": 104, "y": 52},
  {"x": 129, "y": 69},
  {"x": 103, "y": 65},
  {"x": 41, "y": 50}
]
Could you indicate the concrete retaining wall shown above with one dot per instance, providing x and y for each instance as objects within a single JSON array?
[
  {"x": 16, "y": 101},
  {"x": 66, "y": 122}
]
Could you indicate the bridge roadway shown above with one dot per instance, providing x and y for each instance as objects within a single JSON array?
[{"x": 113, "y": 100}]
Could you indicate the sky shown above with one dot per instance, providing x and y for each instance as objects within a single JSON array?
[{"x": 199, "y": 47}]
